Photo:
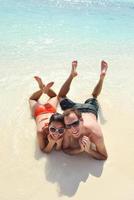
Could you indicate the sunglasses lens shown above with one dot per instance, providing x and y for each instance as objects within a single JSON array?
[
  {"x": 52, "y": 130},
  {"x": 55, "y": 130},
  {"x": 74, "y": 124},
  {"x": 61, "y": 130}
]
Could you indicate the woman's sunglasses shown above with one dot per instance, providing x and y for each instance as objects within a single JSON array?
[{"x": 56, "y": 130}]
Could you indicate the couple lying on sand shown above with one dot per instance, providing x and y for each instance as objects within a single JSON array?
[{"x": 77, "y": 129}]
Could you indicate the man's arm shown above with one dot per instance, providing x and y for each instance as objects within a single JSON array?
[
  {"x": 98, "y": 140},
  {"x": 100, "y": 148},
  {"x": 94, "y": 152},
  {"x": 96, "y": 155},
  {"x": 71, "y": 151}
]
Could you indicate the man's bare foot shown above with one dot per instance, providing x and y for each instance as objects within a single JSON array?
[
  {"x": 47, "y": 87},
  {"x": 74, "y": 66},
  {"x": 39, "y": 81},
  {"x": 104, "y": 67}
]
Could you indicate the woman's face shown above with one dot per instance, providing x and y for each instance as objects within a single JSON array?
[{"x": 56, "y": 130}]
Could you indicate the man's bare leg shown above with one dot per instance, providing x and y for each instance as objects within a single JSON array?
[
  {"x": 50, "y": 92},
  {"x": 98, "y": 87},
  {"x": 66, "y": 86}
]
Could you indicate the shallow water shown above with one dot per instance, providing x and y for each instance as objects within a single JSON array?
[{"x": 42, "y": 38}]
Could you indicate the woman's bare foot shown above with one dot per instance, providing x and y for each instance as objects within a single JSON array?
[
  {"x": 104, "y": 67},
  {"x": 47, "y": 87},
  {"x": 39, "y": 81},
  {"x": 43, "y": 87},
  {"x": 74, "y": 66}
]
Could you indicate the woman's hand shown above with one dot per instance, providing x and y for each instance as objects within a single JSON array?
[
  {"x": 59, "y": 143},
  {"x": 50, "y": 139}
]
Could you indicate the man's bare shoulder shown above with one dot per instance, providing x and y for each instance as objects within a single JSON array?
[{"x": 93, "y": 129}]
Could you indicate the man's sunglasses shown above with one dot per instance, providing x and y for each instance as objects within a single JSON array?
[
  {"x": 74, "y": 124},
  {"x": 56, "y": 130}
]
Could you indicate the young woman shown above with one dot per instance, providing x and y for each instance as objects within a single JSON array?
[{"x": 50, "y": 124}]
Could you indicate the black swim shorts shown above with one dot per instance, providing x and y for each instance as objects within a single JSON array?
[{"x": 89, "y": 106}]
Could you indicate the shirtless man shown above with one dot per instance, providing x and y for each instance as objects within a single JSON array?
[{"x": 83, "y": 130}]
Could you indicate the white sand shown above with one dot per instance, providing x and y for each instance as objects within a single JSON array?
[{"x": 28, "y": 174}]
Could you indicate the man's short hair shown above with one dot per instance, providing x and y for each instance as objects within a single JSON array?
[{"x": 67, "y": 112}]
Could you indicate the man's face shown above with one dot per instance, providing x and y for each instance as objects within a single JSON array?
[{"x": 73, "y": 124}]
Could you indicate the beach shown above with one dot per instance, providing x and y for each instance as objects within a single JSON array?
[{"x": 42, "y": 38}]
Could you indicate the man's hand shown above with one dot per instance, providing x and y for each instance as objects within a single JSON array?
[
  {"x": 85, "y": 142},
  {"x": 88, "y": 148},
  {"x": 82, "y": 146}
]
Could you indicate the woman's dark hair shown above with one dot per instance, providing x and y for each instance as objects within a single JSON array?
[{"x": 57, "y": 117}]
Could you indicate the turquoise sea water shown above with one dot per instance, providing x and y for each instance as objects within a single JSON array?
[
  {"x": 35, "y": 31},
  {"x": 38, "y": 36}
]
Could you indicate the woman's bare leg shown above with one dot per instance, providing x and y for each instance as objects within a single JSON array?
[
  {"x": 66, "y": 86},
  {"x": 35, "y": 96},
  {"x": 50, "y": 92},
  {"x": 33, "y": 100},
  {"x": 98, "y": 87}
]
